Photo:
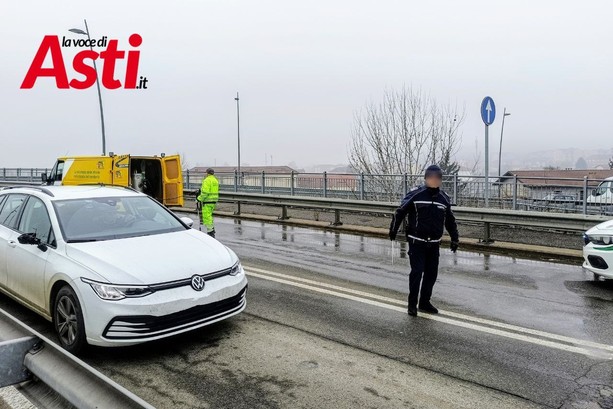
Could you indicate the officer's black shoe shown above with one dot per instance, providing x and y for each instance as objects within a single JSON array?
[
  {"x": 429, "y": 308},
  {"x": 412, "y": 311},
  {"x": 211, "y": 233}
]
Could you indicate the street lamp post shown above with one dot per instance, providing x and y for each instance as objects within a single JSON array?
[
  {"x": 86, "y": 32},
  {"x": 238, "y": 133},
  {"x": 505, "y": 114}
]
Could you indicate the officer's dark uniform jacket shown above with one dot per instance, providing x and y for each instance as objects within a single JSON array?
[{"x": 429, "y": 212}]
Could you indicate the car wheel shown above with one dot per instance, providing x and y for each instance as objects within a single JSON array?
[{"x": 68, "y": 320}]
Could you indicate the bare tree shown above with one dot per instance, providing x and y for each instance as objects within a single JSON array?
[
  {"x": 184, "y": 163},
  {"x": 404, "y": 133}
]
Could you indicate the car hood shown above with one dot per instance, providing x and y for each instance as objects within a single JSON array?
[
  {"x": 153, "y": 259},
  {"x": 602, "y": 228}
]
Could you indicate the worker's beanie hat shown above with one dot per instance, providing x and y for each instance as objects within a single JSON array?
[
  {"x": 434, "y": 170},
  {"x": 210, "y": 171}
]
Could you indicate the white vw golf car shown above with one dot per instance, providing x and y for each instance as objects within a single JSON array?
[
  {"x": 598, "y": 250},
  {"x": 110, "y": 266}
]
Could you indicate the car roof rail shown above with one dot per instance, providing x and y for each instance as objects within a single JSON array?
[
  {"x": 39, "y": 188},
  {"x": 110, "y": 185}
]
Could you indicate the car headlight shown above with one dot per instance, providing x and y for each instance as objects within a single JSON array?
[
  {"x": 598, "y": 240},
  {"x": 236, "y": 268},
  {"x": 114, "y": 292}
]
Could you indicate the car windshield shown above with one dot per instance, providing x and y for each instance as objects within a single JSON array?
[
  {"x": 95, "y": 219},
  {"x": 600, "y": 190}
]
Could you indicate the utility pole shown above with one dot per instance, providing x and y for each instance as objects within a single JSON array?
[
  {"x": 504, "y": 114},
  {"x": 86, "y": 32},
  {"x": 238, "y": 133}
]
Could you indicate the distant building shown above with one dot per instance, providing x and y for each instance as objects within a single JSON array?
[
  {"x": 332, "y": 181},
  {"x": 536, "y": 184},
  {"x": 245, "y": 169},
  {"x": 278, "y": 177}
]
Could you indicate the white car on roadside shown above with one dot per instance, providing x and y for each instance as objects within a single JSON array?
[
  {"x": 110, "y": 266},
  {"x": 598, "y": 250}
]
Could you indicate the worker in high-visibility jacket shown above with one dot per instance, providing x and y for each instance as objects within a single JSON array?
[{"x": 208, "y": 197}]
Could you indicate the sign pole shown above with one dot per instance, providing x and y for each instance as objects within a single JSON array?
[
  {"x": 488, "y": 114},
  {"x": 487, "y": 166}
]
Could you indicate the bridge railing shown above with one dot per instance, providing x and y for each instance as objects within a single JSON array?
[
  {"x": 556, "y": 195},
  {"x": 22, "y": 174}
]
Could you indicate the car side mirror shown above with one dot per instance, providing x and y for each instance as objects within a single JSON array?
[
  {"x": 186, "y": 220},
  {"x": 44, "y": 178},
  {"x": 28, "y": 238},
  {"x": 594, "y": 192}
]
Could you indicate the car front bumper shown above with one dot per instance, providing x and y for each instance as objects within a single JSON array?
[
  {"x": 598, "y": 260},
  {"x": 164, "y": 313}
]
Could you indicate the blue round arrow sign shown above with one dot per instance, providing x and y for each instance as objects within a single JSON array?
[{"x": 488, "y": 110}]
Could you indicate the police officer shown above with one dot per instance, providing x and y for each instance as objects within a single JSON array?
[
  {"x": 208, "y": 197},
  {"x": 429, "y": 211}
]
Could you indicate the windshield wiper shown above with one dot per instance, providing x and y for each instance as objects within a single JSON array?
[{"x": 81, "y": 240}]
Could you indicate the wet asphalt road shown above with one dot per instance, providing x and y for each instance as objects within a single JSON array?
[{"x": 325, "y": 327}]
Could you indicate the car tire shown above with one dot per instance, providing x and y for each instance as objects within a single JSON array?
[{"x": 68, "y": 320}]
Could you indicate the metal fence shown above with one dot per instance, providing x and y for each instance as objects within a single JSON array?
[
  {"x": 22, "y": 174},
  {"x": 560, "y": 195}
]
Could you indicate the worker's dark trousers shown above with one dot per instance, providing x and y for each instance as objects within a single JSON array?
[{"x": 424, "y": 263}]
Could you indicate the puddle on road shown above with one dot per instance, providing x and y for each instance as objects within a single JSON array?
[
  {"x": 595, "y": 290},
  {"x": 345, "y": 243}
]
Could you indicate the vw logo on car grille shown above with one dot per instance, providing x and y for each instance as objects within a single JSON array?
[{"x": 198, "y": 283}]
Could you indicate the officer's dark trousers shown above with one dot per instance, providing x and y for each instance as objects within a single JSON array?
[{"x": 424, "y": 263}]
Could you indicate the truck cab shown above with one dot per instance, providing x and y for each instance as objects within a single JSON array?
[
  {"x": 157, "y": 176},
  {"x": 603, "y": 194}
]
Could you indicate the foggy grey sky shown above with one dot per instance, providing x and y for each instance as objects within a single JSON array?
[{"x": 302, "y": 70}]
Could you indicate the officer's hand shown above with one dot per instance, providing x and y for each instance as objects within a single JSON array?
[
  {"x": 454, "y": 246},
  {"x": 392, "y": 235}
]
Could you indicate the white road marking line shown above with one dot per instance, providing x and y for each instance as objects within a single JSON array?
[
  {"x": 598, "y": 353},
  {"x": 451, "y": 314}
]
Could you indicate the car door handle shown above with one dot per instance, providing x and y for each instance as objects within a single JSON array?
[{"x": 12, "y": 243}]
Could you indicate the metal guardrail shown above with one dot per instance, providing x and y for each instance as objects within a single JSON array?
[
  {"x": 553, "y": 221},
  {"x": 44, "y": 370}
]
